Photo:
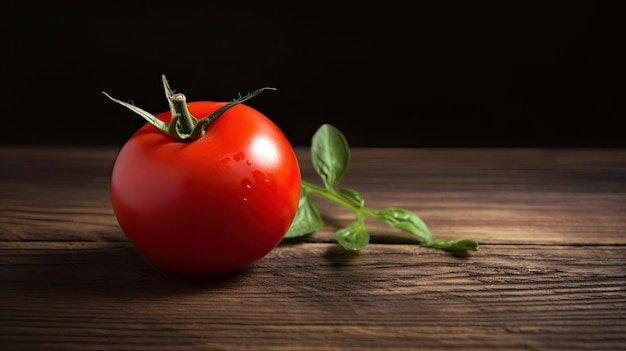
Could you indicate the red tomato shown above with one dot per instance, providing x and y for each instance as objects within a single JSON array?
[{"x": 210, "y": 205}]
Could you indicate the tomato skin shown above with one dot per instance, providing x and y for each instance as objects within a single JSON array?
[{"x": 211, "y": 205}]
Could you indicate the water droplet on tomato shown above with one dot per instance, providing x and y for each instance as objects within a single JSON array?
[
  {"x": 248, "y": 162},
  {"x": 239, "y": 156},
  {"x": 266, "y": 180},
  {"x": 245, "y": 199},
  {"x": 246, "y": 185}
]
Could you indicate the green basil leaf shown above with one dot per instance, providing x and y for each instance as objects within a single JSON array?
[
  {"x": 353, "y": 237},
  {"x": 330, "y": 155},
  {"x": 406, "y": 221},
  {"x": 352, "y": 195},
  {"x": 307, "y": 218},
  {"x": 454, "y": 245},
  {"x": 466, "y": 244}
]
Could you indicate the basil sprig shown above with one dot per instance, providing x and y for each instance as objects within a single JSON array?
[{"x": 330, "y": 155}]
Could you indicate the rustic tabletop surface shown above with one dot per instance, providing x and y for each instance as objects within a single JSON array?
[{"x": 550, "y": 273}]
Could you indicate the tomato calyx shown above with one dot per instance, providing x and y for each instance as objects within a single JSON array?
[{"x": 183, "y": 125}]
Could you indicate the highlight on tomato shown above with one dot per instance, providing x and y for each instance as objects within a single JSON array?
[{"x": 207, "y": 187}]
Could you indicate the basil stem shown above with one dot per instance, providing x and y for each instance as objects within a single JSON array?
[{"x": 330, "y": 155}]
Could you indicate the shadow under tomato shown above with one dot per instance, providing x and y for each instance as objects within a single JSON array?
[
  {"x": 295, "y": 240},
  {"x": 111, "y": 271}
]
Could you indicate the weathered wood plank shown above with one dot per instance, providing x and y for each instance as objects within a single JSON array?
[
  {"x": 494, "y": 196},
  {"x": 550, "y": 273},
  {"x": 56, "y": 193},
  {"x": 316, "y": 297}
]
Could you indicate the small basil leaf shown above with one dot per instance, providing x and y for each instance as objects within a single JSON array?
[
  {"x": 330, "y": 155},
  {"x": 353, "y": 237},
  {"x": 452, "y": 245},
  {"x": 353, "y": 196},
  {"x": 307, "y": 218},
  {"x": 406, "y": 221}
]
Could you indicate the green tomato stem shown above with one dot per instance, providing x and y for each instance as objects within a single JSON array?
[
  {"x": 183, "y": 125},
  {"x": 181, "y": 114}
]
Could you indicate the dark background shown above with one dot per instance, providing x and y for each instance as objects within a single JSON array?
[{"x": 388, "y": 73}]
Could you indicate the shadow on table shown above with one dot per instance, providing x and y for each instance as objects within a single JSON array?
[{"x": 111, "y": 271}]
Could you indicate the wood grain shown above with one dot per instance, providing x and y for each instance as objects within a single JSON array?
[
  {"x": 316, "y": 297},
  {"x": 550, "y": 273}
]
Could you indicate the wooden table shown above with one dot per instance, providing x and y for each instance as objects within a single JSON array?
[{"x": 550, "y": 273}]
